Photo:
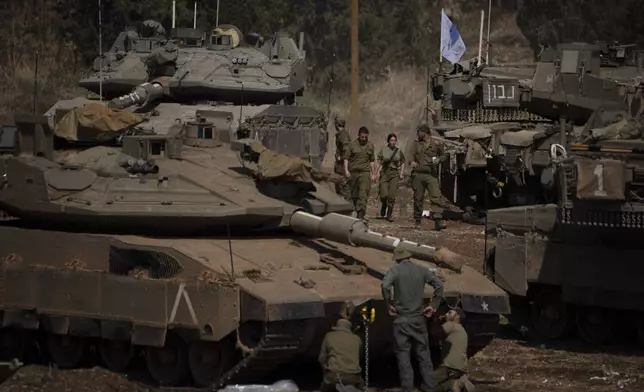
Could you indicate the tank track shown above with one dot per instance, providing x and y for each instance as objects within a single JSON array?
[{"x": 279, "y": 345}]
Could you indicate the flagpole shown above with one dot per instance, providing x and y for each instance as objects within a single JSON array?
[
  {"x": 440, "y": 53},
  {"x": 487, "y": 45},
  {"x": 481, "y": 36}
]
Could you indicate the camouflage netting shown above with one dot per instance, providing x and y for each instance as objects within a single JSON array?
[
  {"x": 95, "y": 123},
  {"x": 274, "y": 166}
]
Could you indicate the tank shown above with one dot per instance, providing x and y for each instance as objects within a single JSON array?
[
  {"x": 512, "y": 116},
  {"x": 248, "y": 84},
  {"x": 574, "y": 263},
  {"x": 217, "y": 261}
]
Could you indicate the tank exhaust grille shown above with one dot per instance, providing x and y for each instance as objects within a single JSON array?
[{"x": 143, "y": 263}]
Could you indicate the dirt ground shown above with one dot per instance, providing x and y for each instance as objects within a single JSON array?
[{"x": 510, "y": 363}]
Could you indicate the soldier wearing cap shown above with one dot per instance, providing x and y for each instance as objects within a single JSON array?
[
  {"x": 342, "y": 140},
  {"x": 452, "y": 374},
  {"x": 340, "y": 354},
  {"x": 406, "y": 306},
  {"x": 425, "y": 156}
]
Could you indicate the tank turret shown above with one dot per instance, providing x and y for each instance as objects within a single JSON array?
[{"x": 248, "y": 85}]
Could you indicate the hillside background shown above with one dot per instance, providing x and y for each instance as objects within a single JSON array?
[{"x": 399, "y": 39}]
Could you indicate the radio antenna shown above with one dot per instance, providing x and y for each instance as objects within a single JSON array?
[{"x": 100, "y": 52}]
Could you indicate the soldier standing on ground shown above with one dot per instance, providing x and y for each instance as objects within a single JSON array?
[
  {"x": 340, "y": 354},
  {"x": 359, "y": 167},
  {"x": 342, "y": 140},
  {"x": 406, "y": 306},
  {"x": 452, "y": 374},
  {"x": 425, "y": 156},
  {"x": 391, "y": 163}
]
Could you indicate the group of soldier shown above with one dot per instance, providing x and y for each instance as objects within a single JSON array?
[
  {"x": 357, "y": 161},
  {"x": 403, "y": 290}
]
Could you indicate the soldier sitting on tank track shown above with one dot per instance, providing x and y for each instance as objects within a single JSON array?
[{"x": 340, "y": 354}]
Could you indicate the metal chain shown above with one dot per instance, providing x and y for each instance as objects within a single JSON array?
[{"x": 366, "y": 353}]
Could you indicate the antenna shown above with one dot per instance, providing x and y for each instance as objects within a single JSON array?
[
  {"x": 487, "y": 44},
  {"x": 217, "y": 17},
  {"x": 174, "y": 13},
  {"x": 230, "y": 252},
  {"x": 36, "y": 82},
  {"x": 194, "y": 22},
  {"x": 100, "y": 53}
]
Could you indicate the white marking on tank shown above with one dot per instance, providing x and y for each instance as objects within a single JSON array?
[
  {"x": 182, "y": 292},
  {"x": 396, "y": 242},
  {"x": 484, "y": 305}
]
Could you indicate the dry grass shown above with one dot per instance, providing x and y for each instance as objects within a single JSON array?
[
  {"x": 33, "y": 50},
  {"x": 396, "y": 102}
]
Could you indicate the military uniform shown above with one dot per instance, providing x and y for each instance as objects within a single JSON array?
[
  {"x": 340, "y": 357},
  {"x": 360, "y": 158},
  {"x": 391, "y": 160},
  {"x": 451, "y": 375},
  {"x": 424, "y": 176},
  {"x": 410, "y": 329},
  {"x": 342, "y": 140}
]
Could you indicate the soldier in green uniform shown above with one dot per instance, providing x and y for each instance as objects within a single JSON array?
[
  {"x": 391, "y": 163},
  {"x": 425, "y": 156},
  {"x": 342, "y": 140},
  {"x": 452, "y": 374},
  {"x": 341, "y": 353},
  {"x": 406, "y": 306},
  {"x": 359, "y": 167}
]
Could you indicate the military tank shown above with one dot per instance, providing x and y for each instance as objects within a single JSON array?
[
  {"x": 513, "y": 116},
  {"x": 551, "y": 258},
  {"x": 218, "y": 261},
  {"x": 248, "y": 83}
]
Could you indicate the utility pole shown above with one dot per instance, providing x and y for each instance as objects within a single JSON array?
[{"x": 355, "y": 110}]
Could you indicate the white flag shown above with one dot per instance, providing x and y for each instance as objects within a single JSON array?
[{"x": 452, "y": 45}]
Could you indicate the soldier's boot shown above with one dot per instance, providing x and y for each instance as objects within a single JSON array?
[
  {"x": 361, "y": 215},
  {"x": 383, "y": 209},
  {"x": 389, "y": 215},
  {"x": 439, "y": 224},
  {"x": 417, "y": 222}
]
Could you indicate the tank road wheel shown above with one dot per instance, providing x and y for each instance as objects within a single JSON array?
[
  {"x": 116, "y": 354},
  {"x": 207, "y": 360},
  {"x": 66, "y": 351},
  {"x": 550, "y": 316},
  {"x": 639, "y": 324},
  {"x": 168, "y": 365},
  {"x": 13, "y": 344},
  {"x": 594, "y": 324}
]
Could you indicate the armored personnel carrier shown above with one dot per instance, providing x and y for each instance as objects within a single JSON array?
[
  {"x": 249, "y": 84},
  {"x": 219, "y": 261}
]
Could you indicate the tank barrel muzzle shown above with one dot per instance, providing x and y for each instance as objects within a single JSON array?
[
  {"x": 141, "y": 94},
  {"x": 354, "y": 232}
]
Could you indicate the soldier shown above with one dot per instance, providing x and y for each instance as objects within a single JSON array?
[
  {"x": 342, "y": 140},
  {"x": 391, "y": 163},
  {"x": 340, "y": 354},
  {"x": 359, "y": 167},
  {"x": 406, "y": 306},
  {"x": 451, "y": 375},
  {"x": 425, "y": 156}
]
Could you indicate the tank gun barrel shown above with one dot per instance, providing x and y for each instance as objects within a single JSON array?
[
  {"x": 352, "y": 231},
  {"x": 141, "y": 94}
]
